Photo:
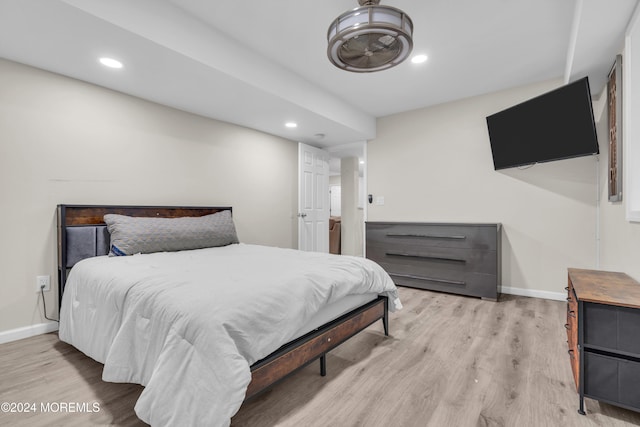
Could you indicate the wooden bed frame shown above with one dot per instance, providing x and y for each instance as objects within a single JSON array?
[{"x": 85, "y": 222}]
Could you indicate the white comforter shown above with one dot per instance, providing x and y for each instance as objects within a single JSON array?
[{"x": 188, "y": 325}]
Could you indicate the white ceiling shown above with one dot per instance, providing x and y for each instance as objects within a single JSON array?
[{"x": 262, "y": 63}]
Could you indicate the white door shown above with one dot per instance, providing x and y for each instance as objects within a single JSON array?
[{"x": 313, "y": 199}]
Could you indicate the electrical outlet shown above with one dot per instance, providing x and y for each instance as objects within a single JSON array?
[{"x": 43, "y": 281}]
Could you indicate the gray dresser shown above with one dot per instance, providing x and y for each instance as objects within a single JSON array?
[{"x": 457, "y": 258}]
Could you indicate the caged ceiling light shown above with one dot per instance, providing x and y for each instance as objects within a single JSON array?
[{"x": 370, "y": 38}]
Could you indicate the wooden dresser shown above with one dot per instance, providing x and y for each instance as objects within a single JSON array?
[
  {"x": 603, "y": 331},
  {"x": 458, "y": 258}
]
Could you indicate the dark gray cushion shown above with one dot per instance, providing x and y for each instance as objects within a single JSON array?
[
  {"x": 132, "y": 235},
  {"x": 81, "y": 244},
  {"x": 86, "y": 242}
]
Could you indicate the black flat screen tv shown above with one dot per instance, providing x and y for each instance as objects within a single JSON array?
[{"x": 553, "y": 126}]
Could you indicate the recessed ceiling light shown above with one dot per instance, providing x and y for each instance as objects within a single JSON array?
[
  {"x": 419, "y": 59},
  {"x": 362, "y": 162},
  {"x": 110, "y": 62},
  {"x": 291, "y": 125}
]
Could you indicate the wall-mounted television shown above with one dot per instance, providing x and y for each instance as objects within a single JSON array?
[{"x": 553, "y": 126}]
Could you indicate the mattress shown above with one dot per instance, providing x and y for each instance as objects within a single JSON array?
[{"x": 333, "y": 311}]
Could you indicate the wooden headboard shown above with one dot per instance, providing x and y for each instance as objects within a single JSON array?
[{"x": 82, "y": 232}]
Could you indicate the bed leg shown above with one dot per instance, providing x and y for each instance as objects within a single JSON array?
[
  {"x": 385, "y": 318},
  {"x": 323, "y": 365}
]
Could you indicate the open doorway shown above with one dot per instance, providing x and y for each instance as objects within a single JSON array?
[{"x": 347, "y": 183}]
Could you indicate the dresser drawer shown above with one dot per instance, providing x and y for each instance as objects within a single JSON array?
[
  {"x": 574, "y": 359},
  {"x": 436, "y": 260},
  {"x": 434, "y": 235},
  {"x": 572, "y": 330},
  {"x": 612, "y": 327},
  {"x": 612, "y": 379},
  {"x": 572, "y": 318},
  {"x": 471, "y": 284}
]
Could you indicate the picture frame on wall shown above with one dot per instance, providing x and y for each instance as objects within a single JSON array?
[{"x": 614, "y": 105}]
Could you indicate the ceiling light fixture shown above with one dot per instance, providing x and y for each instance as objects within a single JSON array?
[
  {"x": 419, "y": 59},
  {"x": 370, "y": 38},
  {"x": 110, "y": 62},
  {"x": 291, "y": 125}
]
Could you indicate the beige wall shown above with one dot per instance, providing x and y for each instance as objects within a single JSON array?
[
  {"x": 64, "y": 141},
  {"x": 435, "y": 164},
  {"x": 619, "y": 239}
]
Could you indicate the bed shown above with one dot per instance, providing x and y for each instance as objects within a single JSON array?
[{"x": 205, "y": 329}]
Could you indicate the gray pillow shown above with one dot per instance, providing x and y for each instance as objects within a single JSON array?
[{"x": 132, "y": 235}]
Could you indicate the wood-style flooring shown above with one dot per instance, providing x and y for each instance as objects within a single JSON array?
[{"x": 449, "y": 361}]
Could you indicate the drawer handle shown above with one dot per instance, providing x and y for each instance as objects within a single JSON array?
[
  {"x": 566, "y": 326},
  {"x": 569, "y": 299},
  {"x": 572, "y": 313},
  {"x": 570, "y": 352},
  {"x": 566, "y": 288},
  {"x": 435, "y": 258},
  {"x": 430, "y": 279},
  {"x": 426, "y": 236}
]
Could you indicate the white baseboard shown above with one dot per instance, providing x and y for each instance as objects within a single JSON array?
[
  {"x": 27, "y": 332},
  {"x": 557, "y": 296}
]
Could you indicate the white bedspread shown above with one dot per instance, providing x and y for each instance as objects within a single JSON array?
[{"x": 188, "y": 325}]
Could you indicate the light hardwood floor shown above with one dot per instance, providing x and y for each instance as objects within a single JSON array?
[{"x": 450, "y": 361}]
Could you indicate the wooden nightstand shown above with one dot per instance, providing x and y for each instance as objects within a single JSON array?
[{"x": 603, "y": 331}]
